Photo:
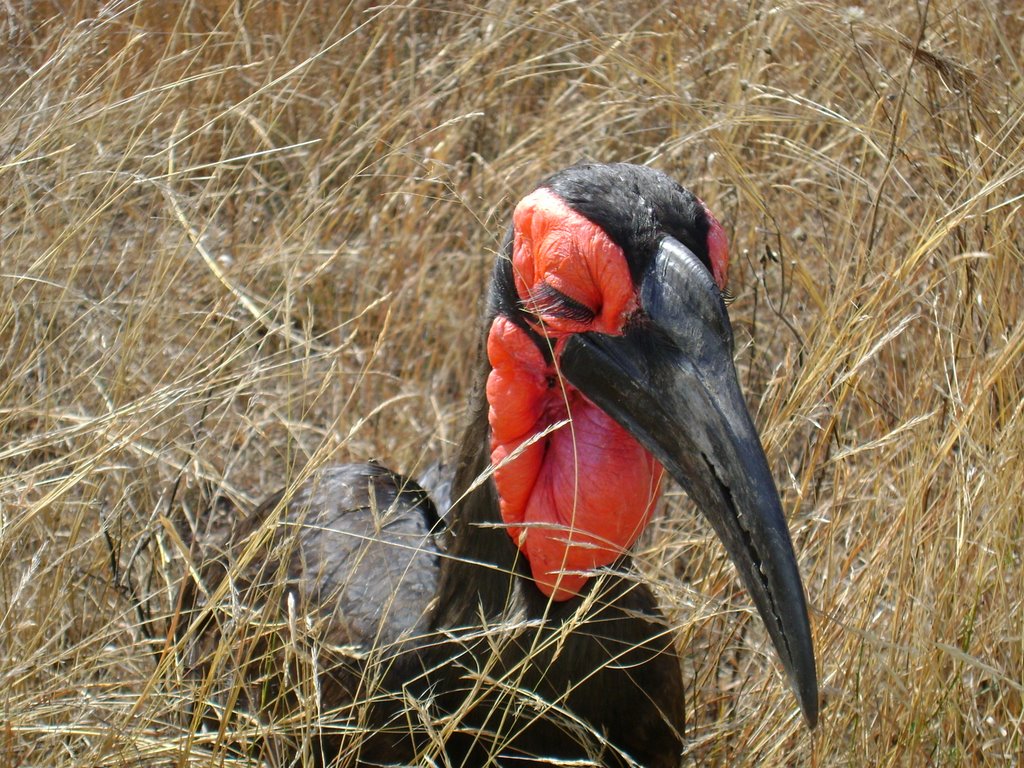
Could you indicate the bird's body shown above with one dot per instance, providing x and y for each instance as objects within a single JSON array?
[{"x": 517, "y": 631}]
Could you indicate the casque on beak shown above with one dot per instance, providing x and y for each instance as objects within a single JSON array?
[{"x": 669, "y": 379}]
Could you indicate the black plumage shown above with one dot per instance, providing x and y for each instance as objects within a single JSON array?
[{"x": 431, "y": 640}]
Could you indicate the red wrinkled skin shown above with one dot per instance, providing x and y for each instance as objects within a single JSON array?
[
  {"x": 556, "y": 246},
  {"x": 576, "y": 498},
  {"x": 718, "y": 249}
]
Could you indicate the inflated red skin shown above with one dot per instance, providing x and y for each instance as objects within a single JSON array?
[
  {"x": 576, "y": 498},
  {"x": 718, "y": 249}
]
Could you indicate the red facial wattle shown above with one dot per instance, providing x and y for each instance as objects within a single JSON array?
[
  {"x": 557, "y": 248},
  {"x": 575, "y": 497},
  {"x": 718, "y": 249}
]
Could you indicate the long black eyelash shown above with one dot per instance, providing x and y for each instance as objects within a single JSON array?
[{"x": 548, "y": 300}]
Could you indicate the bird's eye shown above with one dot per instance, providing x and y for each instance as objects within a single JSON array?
[{"x": 546, "y": 301}]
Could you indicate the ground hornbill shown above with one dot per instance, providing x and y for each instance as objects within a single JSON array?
[{"x": 516, "y": 632}]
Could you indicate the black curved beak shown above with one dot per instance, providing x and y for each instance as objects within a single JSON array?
[{"x": 671, "y": 382}]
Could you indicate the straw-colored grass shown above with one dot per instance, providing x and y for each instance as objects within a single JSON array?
[{"x": 240, "y": 237}]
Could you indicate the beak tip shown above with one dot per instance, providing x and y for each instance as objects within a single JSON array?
[
  {"x": 805, "y": 687},
  {"x": 809, "y": 706}
]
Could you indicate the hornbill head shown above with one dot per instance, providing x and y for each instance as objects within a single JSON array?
[{"x": 611, "y": 362}]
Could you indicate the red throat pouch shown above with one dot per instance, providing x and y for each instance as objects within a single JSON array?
[{"x": 575, "y": 488}]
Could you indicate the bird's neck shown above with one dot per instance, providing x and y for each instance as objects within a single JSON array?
[{"x": 481, "y": 566}]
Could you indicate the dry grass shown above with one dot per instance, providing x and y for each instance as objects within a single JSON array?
[{"x": 238, "y": 237}]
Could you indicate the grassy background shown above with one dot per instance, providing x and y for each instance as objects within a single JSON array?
[{"x": 239, "y": 237}]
